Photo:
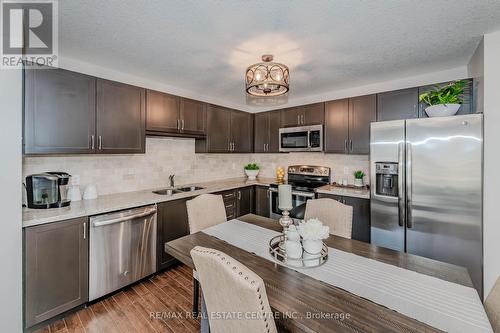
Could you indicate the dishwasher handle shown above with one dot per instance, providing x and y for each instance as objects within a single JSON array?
[{"x": 146, "y": 212}]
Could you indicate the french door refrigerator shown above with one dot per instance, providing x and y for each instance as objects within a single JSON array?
[{"x": 426, "y": 189}]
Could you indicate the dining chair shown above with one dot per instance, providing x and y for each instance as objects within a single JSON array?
[
  {"x": 244, "y": 293},
  {"x": 492, "y": 306},
  {"x": 332, "y": 213},
  {"x": 204, "y": 211}
]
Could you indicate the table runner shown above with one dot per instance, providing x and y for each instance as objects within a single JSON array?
[{"x": 445, "y": 305}]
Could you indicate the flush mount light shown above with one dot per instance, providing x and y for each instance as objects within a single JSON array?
[{"x": 267, "y": 78}]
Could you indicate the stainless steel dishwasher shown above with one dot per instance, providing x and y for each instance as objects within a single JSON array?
[{"x": 122, "y": 249}]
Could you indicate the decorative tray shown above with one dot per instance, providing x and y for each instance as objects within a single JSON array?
[{"x": 307, "y": 260}]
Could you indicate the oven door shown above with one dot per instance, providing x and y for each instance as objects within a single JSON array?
[{"x": 298, "y": 198}]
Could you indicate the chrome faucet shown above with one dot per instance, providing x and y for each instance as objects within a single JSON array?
[{"x": 172, "y": 181}]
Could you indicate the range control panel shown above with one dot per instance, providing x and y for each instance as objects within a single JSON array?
[{"x": 309, "y": 170}]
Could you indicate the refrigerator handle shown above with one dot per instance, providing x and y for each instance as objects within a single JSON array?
[
  {"x": 409, "y": 188},
  {"x": 401, "y": 185}
]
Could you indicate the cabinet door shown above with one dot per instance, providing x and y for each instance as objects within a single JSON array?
[
  {"x": 274, "y": 128},
  {"x": 56, "y": 269},
  {"x": 245, "y": 201},
  {"x": 230, "y": 203},
  {"x": 291, "y": 117},
  {"x": 313, "y": 114},
  {"x": 218, "y": 129},
  {"x": 262, "y": 201},
  {"x": 59, "y": 112},
  {"x": 121, "y": 118},
  {"x": 261, "y": 134},
  {"x": 172, "y": 223},
  {"x": 466, "y": 108},
  {"x": 397, "y": 105},
  {"x": 162, "y": 112},
  {"x": 193, "y": 116},
  {"x": 362, "y": 112},
  {"x": 242, "y": 131},
  {"x": 337, "y": 126},
  {"x": 360, "y": 218}
]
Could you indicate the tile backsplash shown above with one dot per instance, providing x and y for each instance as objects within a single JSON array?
[{"x": 166, "y": 156}]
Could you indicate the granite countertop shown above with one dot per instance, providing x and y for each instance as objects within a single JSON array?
[
  {"x": 113, "y": 202},
  {"x": 362, "y": 193}
]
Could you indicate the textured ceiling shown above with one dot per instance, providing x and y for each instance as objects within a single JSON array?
[{"x": 203, "y": 47}]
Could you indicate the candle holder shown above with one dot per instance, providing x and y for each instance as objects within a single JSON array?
[{"x": 284, "y": 221}]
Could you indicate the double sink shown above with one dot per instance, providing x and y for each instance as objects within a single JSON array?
[{"x": 171, "y": 191}]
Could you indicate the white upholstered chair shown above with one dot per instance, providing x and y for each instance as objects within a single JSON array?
[
  {"x": 243, "y": 292},
  {"x": 333, "y": 214},
  {"x": 492, "y": 306},
  {"x": 204, "y": 211}
]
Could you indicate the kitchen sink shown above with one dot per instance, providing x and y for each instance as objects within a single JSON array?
[{"x": 171, "y": 191}]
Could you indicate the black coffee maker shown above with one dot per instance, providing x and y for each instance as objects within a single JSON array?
[{"x": 47, "y": 190}]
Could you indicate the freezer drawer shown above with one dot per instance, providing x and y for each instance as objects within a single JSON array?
[{"x": 122, "y": 249}]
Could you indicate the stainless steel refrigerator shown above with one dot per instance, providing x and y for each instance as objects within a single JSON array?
[{"x": 426, "y": 189}]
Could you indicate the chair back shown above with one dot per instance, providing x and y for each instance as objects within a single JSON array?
[
  {"x": 333, "y": 214},
  {"x": 231, "y": 288},
  {"x": 205, "y": 211},
  {"x": 492, "y": 306}
]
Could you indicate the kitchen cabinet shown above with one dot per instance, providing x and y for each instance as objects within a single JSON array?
[
  {"x": 172, "y": 223},
  {"x": 229, "y": 197},
  {"x": 360, "y": 215},
  {"x": 266, "y": 132},
  {"x": 121, "y": 118},
  {"x": 312, "y": 114},
  {"x": 467, "y": 96},
  {"x": 347, "y": 124},
  {"x": 245, "y": 201},
  {"x": 228, "y": 131},
  {"x": 59, "y": 112},
  {"x": 262, "y": 201},
  {"x": 398, "y": 105},
  {"x": 55, "y": 269},
  {"x": 169, "y": 115}
]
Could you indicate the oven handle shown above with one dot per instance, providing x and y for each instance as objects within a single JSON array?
[{"x": 297, "y": 193}]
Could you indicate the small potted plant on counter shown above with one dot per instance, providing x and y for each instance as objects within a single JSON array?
[
  {"x": 444, "y": 101},
  {"x": 358, "y": 178},
  {"x": 252, "y": 170}
]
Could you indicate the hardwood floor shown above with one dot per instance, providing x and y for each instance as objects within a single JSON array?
[{"x": 159, "y": 304}]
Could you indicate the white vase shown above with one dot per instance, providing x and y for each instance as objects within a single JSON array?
[
  {"x": 311, "y": 260},
  {"x": 293, "y": 249},
  {"x": 251, "y": 174},
  {"x": 358, "y": 182},
  {"x": 442, "y": 110},
  {"x": 312, "y": 246}
]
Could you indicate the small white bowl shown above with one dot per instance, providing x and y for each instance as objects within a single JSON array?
[{"x": 442, "y": 110}]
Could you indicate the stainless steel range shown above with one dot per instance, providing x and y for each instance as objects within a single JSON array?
[{"x": 304, "y": 180}]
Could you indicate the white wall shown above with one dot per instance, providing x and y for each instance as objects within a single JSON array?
[
  {"x": 10, "y": 199},
  {"x": 491, "y": 190}
]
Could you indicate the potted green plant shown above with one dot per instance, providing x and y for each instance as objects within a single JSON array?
[
  {"x": 444, "y": 101},
  {"x": 358, "y": 178},
  {"x": 252, "y": 170}
]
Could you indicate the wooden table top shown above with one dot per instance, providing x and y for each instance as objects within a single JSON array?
[{"x": 301, "y": 300}]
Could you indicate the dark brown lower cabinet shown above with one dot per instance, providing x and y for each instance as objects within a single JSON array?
[
  {"x": 172, "y": 223},
  {"x": 55, "y": 269},
  {"x": 245, "y": 201},
  {"x": 360, "y": 215},
  {"x": 262, "y": 201}
]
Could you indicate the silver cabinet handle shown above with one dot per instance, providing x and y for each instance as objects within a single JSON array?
[
  {"x": 302, "y": 119},
  {"x": 178, "y": 126},
  {"x": 99, "y": 142},
  {"x": 401, "y": 196},
  {"x": 298, "y": 119},
  {"x": 409, "y": 189},
  {"x": 264, "y": 147},
  {"x": 239, "y": 195},
  {"x": 345, "y": 146},
  {"x": 182, "y": 122},
  {"x": 84, "y": 230},
  {"x": 350, "y": 143},
  {"x": 92, "y": 142},
  {"x": 233, "y": 146}
]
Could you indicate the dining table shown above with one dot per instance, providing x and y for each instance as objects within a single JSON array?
[{"x": 303, "y": 303}]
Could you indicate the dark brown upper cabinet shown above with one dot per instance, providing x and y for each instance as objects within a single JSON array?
[
  {"x": 121, "y": 118},
  {"x": 59, "y": 112},
  {"x": 55, "y": 269},
  {"x": 169, "y": 115},
  {"x": 467, "y": 106},
  {"x": 266, "y": 132},
  {"x": 397, "y": 105},
  {"x": 347, "y": 124},
  {"x": 312, "y": 114},
  {"x": 228, "y": 131}
]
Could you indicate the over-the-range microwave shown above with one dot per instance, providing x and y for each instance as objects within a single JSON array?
[{"x": 304, "y": 138}]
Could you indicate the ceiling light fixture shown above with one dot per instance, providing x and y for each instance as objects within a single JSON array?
[{"x": 267, "y": 78}]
